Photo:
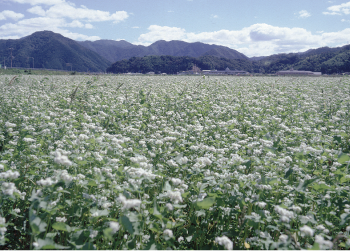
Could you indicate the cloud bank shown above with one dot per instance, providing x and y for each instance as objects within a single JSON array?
[
  {"x": 57, "y": 16},
  {"x": 258, "y": 39}
]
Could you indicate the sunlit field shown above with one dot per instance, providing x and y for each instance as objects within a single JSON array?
[{"x": 169, "y": 162}]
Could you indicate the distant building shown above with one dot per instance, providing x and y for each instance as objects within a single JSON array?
[
  {"x": 227, "y": 71},
  {"x": 296, "y": 72}
]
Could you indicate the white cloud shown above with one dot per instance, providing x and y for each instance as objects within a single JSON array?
[
  {"x": 57, "y": 16},
  {"x": 9, "y": 14},
  {"x": 75, "y": 24},
  {"x": 214, "y": 16},
  {"x": 88, "y": 26},
  {"x": 135, "y": 27},
  {"x": 304, "y": 14},
  {"x": 28, "y": 26},
  {"x": 340, "y": 9},
  {"x": 36, "y": 2},
  {"x": 256, "y": 40},
  {"x": 157, "y": 32},
  {"x": 66, "y": 10},
  {"x": 37, "y": 10},
  {"x": 170, "y": 11}
]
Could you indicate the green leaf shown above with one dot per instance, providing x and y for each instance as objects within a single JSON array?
[
  {"x": 305, "y": 184},
  {"x": 88, "y": 246},
  {"x": 38, "y": 226},
  {"x": 92, "y": 183},
  {"x": 315, "y": 246},
  {"x": 184, "y": 195},
  {"x": 206, "y": 203},
  {"x": 342, "y": 158},
  {"x": 61, "y": 226},
  {"x": 80, "y": 237},
  {"x": 108, "y": 233},
  {"x": 322, "y": 187},
  {"x": 287, "y": 174},
  {"x": 127, "y": 224},
  {"x": 49, "y": 244},
  {"x": 344, "y": 179}
]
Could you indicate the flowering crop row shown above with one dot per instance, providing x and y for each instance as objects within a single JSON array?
[{"x": 174, "y": 162}]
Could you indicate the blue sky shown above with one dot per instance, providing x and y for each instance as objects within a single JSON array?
[{"x": 253, "y": 27}]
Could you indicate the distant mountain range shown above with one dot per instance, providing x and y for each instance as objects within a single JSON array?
[
  {"x": 118, "y": 50},
  {"x": 54, "y": 51}
]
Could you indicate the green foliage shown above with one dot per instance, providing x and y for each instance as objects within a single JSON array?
[
  {"x": 51, "y": 51},
  {"x": 325, "y": 60}
]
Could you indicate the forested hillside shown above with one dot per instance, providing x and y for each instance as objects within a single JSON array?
[
  {"x": 172, "y": 65},
  {"x": 51, "y": 51},
  {"x": 325, "y": 60}
]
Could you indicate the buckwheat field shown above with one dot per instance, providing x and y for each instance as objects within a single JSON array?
[{"x": 170, "y": 162}]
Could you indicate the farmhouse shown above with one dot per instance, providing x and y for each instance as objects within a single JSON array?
[{"x": 295, "y": 72}]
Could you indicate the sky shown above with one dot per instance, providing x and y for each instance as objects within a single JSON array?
[{"x": 252, "y": 27}]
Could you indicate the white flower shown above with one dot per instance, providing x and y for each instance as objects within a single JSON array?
[
  {"x": 127, "y": 204},
  {"x": 114, "y": 226},
  {"x": 181, "y": 238},
  {"x": 224, "y": 241},
  {"x": 306, "y": 230},
  {"x": 176, "y": 181},
  {"x": 320, "y": 227},
  {"x": 62, "y": 159},
  {"x": 2, "y": 220},
  {"x": 175, "y": 196},
  {"x": 283, "y": 238},
  {"x": 8, "y": 124},
  {"x": 172, "y": 163},
  {"x": 323, "y": 244},
  {"x": 47, "y": 182},
  {"x": 61, "y": 219},
  {"x": 169, "y": 206},
  {"x": 168, "y": 232},
  {"x": 296, "y": 209},
  {"x": 261, "y": 204},
  {"x": 17, "y": 210},
  {"x": 9, "y": 174},
  {"x": 35, "y": 244},
  {"x": 93, "y": 233}
]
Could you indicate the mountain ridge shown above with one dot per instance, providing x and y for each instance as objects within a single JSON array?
[
  {"x": 114, "y": 52},
  {"x": 52, "y": 51}
]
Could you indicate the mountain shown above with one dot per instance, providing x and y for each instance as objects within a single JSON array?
[
  {"x": 119, "y": 50},
  {"x": 52, "y": 51},
  {"x": 326, "y": 60},
  {"x": 174, "y": 64},
  {"x": 107, "y": 48}
]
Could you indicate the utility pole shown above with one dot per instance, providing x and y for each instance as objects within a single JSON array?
[
  {"x": 69, "y": 64},
  {"x": 11, "y": 55},
  {"x": 33, "y": 61}
]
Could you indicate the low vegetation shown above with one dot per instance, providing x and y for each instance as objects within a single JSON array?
[{"x": 106, "y": 162}]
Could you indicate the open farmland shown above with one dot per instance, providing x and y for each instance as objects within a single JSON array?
[{"x": 151, "y": 162}]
